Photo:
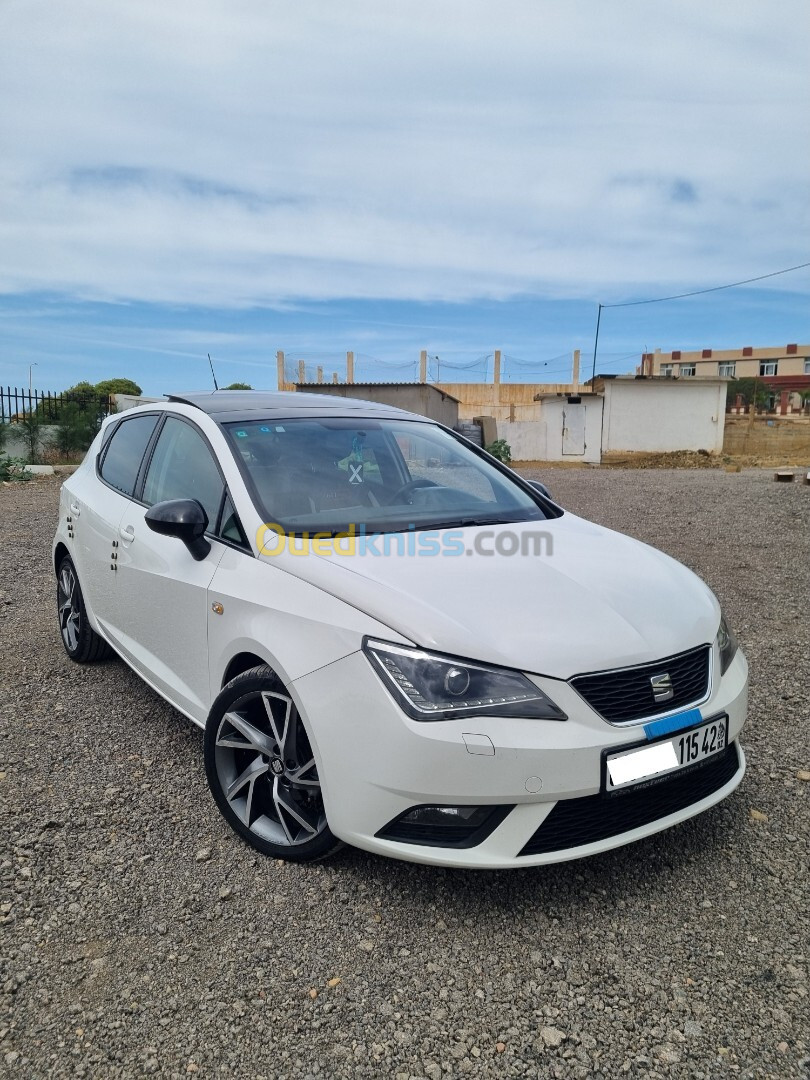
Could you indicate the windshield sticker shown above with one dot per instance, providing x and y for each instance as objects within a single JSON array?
[
  {"x": 355, "y": 473},
  {"x": 241, "y": 434}
]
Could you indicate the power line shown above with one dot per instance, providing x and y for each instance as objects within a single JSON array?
[
  {"x": 714, "y": 288},
  {"x": 681, "y": 296}
]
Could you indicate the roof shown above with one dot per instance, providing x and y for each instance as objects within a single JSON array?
[
  {"x": 663, "y": 380},
  {"x": 239, "y": 404}
]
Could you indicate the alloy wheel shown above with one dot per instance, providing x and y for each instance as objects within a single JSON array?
[
  {"x": 67, "y": 600},
  {"x": 267, "y": 771}
]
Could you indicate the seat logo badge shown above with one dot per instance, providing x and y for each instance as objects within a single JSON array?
[
  {"x": 276, "y": 766},
  {"x": 662, "y": 687}
]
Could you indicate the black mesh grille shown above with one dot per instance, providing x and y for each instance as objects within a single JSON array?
[
  {"x": 574, "y": 822},
  {"x": 627, "y": 694}
]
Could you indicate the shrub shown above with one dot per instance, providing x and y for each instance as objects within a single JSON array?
[
  {"x": 12, "y": 468},
  {"x": 501, "y": 450}
]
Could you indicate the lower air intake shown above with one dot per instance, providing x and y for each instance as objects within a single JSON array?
[{"x": 574, "y": 822}]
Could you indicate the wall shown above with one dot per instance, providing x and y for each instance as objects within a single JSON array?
[
  {"x": 129, "y": 401},
  {"x": 767, "y": 436},
  {"x": 527, "y": 439},
  {"x": 421, "y": 398},
  {"x": 504, "y": 401},
  {"x": 16, "y": 446},
  {"x": 659, "y": 416}
]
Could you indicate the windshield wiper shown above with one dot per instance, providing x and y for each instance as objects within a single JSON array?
[{"x": 465, "y": 523}]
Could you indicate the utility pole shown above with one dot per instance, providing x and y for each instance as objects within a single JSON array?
[{"x": 595, "y": 344}]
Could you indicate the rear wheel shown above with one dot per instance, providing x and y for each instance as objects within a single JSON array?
[
  {"x": 82, "y": 643},
  {"x": 262, "y": 772}
]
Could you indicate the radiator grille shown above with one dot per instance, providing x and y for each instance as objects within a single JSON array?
[{"x": 627, "y": 694}]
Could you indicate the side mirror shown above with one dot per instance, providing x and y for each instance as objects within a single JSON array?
[
  {"x": 541, "y": 488},
  {"x": 184, "y": 518}
]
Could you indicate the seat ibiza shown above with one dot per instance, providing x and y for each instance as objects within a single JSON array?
[{"x": 390, "y": 638}]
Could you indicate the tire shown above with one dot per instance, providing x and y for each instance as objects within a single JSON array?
[
  {"x": 82, "y": 643},
  {"x": 262, "y": 772}
]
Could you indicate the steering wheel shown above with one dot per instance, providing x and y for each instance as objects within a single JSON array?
[{"x": 412, "y": 485}]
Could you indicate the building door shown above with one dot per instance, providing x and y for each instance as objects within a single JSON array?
[{"x": 573, "y": 430}]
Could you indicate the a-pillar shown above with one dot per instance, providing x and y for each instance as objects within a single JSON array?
[{"x": 784, "y": 402}]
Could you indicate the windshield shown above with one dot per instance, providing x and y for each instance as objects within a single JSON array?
[{"x": 334, "y": 474}]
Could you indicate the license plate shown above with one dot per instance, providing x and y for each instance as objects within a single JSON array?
[{"x": 656, "y": 760}]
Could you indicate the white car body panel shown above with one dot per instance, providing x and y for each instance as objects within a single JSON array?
[
  {"x": 160, "y": 623},
  {"x": 597, "y": 612}
]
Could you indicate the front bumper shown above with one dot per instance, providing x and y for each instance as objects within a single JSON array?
[{"x": 375, "y": 763}]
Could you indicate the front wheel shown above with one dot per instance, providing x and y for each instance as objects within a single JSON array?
[{"x": 262, "y": 772}]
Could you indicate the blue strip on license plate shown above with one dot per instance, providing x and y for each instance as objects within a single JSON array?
[{"x": 656, "y": 728}]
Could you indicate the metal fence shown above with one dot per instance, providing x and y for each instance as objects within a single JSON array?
[{"x": 16, "y": 405}]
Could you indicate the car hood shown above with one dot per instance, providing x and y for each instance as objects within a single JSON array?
[{"x": 593, "y": 599}]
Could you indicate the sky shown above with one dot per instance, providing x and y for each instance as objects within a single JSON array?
[{"x": 238, "y": 177}]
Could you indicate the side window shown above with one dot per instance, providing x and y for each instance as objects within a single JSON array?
[
  {"x": 182, "y": 467},
  {"x": 124, "y": 453}
]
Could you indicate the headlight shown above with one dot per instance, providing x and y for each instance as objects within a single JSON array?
[
  {"x": 727, "y": 644},
  {"x": 431, "y": 687}
]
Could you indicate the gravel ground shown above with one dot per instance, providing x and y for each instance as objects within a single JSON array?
[{"x": 140, "y": 936}]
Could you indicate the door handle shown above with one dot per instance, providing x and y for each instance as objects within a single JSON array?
[
  {"x": 127, "y": 532},
  {"x": 75, "y": 509}
]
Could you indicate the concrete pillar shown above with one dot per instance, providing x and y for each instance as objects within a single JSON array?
[
  {"x": 575, "y": 372},
  {"x": 280, "y": 369},
  {"x": 423, "y": 366},
  {"x": 496, "y": 368},
  {"x": 320, "y": 374},
  {"x": 349, "y": 367},
  {"x": 784, "y": 402},
  {"x": 302, "y": 372}
]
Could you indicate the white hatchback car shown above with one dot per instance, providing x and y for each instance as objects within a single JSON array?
[{"x": 393, "y": 640}]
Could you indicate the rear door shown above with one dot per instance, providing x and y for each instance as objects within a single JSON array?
[{"x": 98, "y": 498}]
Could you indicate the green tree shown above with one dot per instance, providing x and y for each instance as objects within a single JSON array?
[
  {"x": 751, "y": 389},
  {"x": 81, "y": 389},
  {"x": 30, "y": 427},
  {"x": 107, "y": 387},
  {"x": 76, "y": 429},
  {"x": 238, "y": 386}
]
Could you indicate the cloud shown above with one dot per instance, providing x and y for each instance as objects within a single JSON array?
[{"x": 251, "y": 153}]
